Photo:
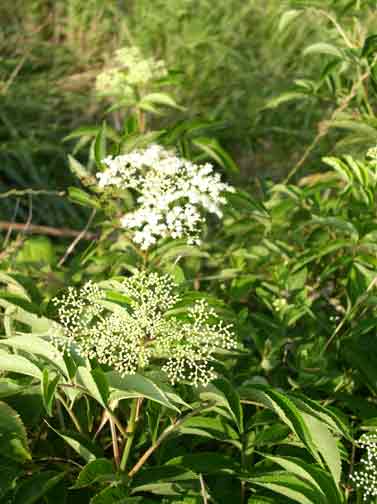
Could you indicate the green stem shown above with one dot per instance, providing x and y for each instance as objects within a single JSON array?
[
  {"x": 114, "y": 419},
  {"x": 114, "y": 439},
  {"x": 243, "y": 465},
  {"x": 70, "y": 413},
  {"x": 166, "y": 433},
  {"x": 131, "y": 428}
]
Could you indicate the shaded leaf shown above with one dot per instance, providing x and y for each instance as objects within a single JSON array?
[{"x": 13, "y": 439}]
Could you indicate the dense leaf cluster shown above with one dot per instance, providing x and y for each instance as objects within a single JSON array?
[{"x": 253, "y": 381}]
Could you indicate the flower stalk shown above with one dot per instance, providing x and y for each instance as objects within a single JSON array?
[{"x": 131, "y": 430}]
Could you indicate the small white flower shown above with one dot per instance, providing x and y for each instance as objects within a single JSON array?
[
  {"x": 173, "y": 194},
  {"x": 129, "y": 339},
  {"x": 130, "y": 70},
  {"x": 372, "y": 153},
  {"x": 366, "y": 477}
]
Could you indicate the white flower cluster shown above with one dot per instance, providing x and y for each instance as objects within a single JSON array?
[
  {"x": 129, "y": 71},
  {"x": 129, "y": 339},
  {"x": 372, "y": 153},
  {"x": 366, "y": 477},
  {"x": 140, "y": 70},
  {"x": 172, "y": 193},
  {"x": 280, "y": 304}
]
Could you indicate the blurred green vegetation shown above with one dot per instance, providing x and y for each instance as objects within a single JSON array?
[{"x": 233, "y": 61}]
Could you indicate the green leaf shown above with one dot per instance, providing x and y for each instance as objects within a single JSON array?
[
  {"x": 290, "y": 486},
  {"x": 17, "y": 364},
  {"x": 35, "y": 322},
  {"x": 328, "y": 249},
  {"x": 100, "y": 470},
  {"x": 370, "y": 46},
  {"x": 115, "y": 494},
  {"x": 357, "y": 127},
  {"x": 210, "y": 427},
  {"x": 38, "y": 346},
  {"x": 117, "y": 297},
  {"x": 327, "y": 488},
  {"x": 298, "y": 280},
  {"x": 9, "y": 388},
  {"x": 167, "y": 480},
  {"x": 95, "y": 382},
  {"x": 224, "y": 394},
  {"x": 83, "y": 198},
  {"x": 337, "y": 224},
  {"x": 361, "y": 353},
  {"x": 214, "y": 150},
  {"x": 48, "y": 388},
  {"x": 287, "y": 17},
  {"x": 160, "y": 99},
  {"x": 323, "y": 48},
  {"x": 287, "y": 411},
  {"x": 271, "y": 435},
  {"x": 326, "y": 415},
  {"x": 76, "y": 442},
  {"x": 276, "y": 101},
  {"x": 146, "y": 106},
  {"x": 285, "y": 408},
  {"x": 138, "y": 141},
  {"x": 174, "y": 249},
  {"x": 9, "y": 472},
  {"x": 325, "y": 444},
  {"x": 81, "y": 172},
  {"x": 100, "y": 146},
  {"x": 136, "y": 385},
  {"x": 88, "y": 131},
  {"x": 38, "y": 250},
  {"x": 58, "y": 494},
  {"x": 20, "y": 301},
  {"x": 261, "y": 500},
  {"x": 13, "y": 439},
  {"x": 35, "y": 487},
  {"x": 206, "y": 463}
]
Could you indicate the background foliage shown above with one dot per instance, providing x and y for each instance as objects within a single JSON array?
[
  {"x": 232, "y": 62},
  {"x": 281, "y": 96}
]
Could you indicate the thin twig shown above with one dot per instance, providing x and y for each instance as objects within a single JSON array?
[
  {"x": 203, "y": 490},
  {"x": 324, "y": 126},
  {"x": 346, "y": 317},
  {"x": 142, "y": 460},
  {"x": 131, "y": 432},
  {"x": 19, "y": 241},
  {"x": 339, "y": 29},
  {"x": 70, "y": 413},
  {"x": 114, "y": 438},
  {"x": 32, "y": 192},
  {"x": 109, "y": 413},
  {"x": 73, "y": 245},
  {"x": 118, "y": 424},
  {"x": 353, "y": 454},
  {"x": 10, "y": 229},
  {"x": 47, "y": 230},
  {"x": 58, "y": 459},
  {"x": 103, "y": 422},
  {"x": 138, "y": 408},
  {"x": 30, "y": 214},
  {"x": 13, "y": 75}
]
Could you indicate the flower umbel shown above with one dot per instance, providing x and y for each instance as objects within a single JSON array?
[
  {"x": 173, "y": 193},
  {"x": 130, "y": 70},
  {"x": 129, "y": 338},
  {"x": 366, "y": 477},
  {"x": 372, "y": 153}
]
